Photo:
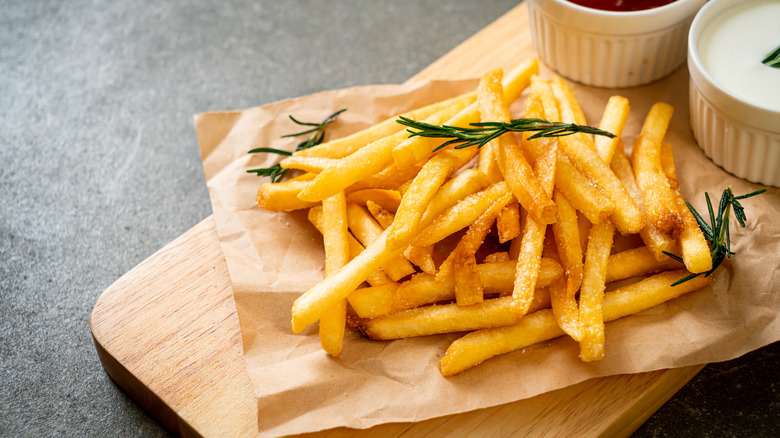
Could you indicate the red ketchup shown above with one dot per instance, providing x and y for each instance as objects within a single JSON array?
[{"x": 622, "y": 5}]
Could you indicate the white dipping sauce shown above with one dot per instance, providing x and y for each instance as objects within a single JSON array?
[{"x": 733, "y": 45}]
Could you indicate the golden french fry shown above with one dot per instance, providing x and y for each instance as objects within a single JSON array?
[
  {"x": 389, "y": 179},
  {"x": 461, "y": 215},
  {"x": 341, "y": 147},
  {"x": 497, "y": 277},
  {"x": 422, "y": 256},
  {"x": 566, "y": 232},
  {"x": 472, "y": 240},
  {"x": 508, "y": 222},
  {"x": 570, "y": 110},
  {"x": 657, "y": 194},
  {"x": 540, "y": 326},
  {"x": 367, "y": 230},
  {"x": 636, "y": 262},
  {"x": 657, "y": 241},
  {"x": 592, "y": 291},
  {"x": 693, "y": 246},
  {"x": 565, "y": 311},
  {"x": 626, "y": 216},
  {"x": 388, "y": 199},
  {"x": 466, "y": 183},
  {"x": 468, "y": 286},
  {"x": 375, "y": 301},
  {"x": 308, "y": 307},
  {"x": 335, "y": 238},
  {"x": 308, "y": 164},
  {"x": 376, "y": 278},
  {"x": 613, "y": 120},
  {"x": 568, "y": 179},
  {"x": 383, "y": 217},
  {"x": 461, "y": 262},
  {"x": 282, "y": 196},
  {"x": 511, "y": 161},
  {"x": 421, "y": 191},
  {"x": 366, "y": 161},
  {"x": 532, "y": 243},
  {"x": 497, "y": 257},
  {"x": 445, "y": 318}
]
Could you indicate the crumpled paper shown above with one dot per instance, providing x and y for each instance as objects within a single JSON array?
[{"x": 274, "y": 257}]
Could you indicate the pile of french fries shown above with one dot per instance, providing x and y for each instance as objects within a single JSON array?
[{"x": 513, "y": 243}]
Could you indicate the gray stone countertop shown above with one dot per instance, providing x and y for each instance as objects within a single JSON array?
[{"x": 100, "y": 167}]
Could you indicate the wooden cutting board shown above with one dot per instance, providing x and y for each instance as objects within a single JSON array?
[{"x": 167, "y": 332}]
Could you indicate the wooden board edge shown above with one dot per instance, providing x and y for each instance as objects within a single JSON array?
[{"x": 664, "y": 388}]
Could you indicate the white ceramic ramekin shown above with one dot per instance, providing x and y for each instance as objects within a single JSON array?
[
  {"x": 741, "y": 137},
  {"x": 611, "y": 49}
]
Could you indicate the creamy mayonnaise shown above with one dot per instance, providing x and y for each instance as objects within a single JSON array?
[{"x": 733, "y": 45}]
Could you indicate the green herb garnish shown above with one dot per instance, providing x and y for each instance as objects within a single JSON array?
[
  {"x": 482, "y": 133},
  {"x": 717, "y": 231},
  {"x": 277, "y": 172},
  {"x": 773, "y": 59}
]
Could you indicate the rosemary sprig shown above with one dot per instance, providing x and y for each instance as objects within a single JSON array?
[
  {"x": 717, "y": 231},
  {"x": 773, "y": 58},
  {"x": 276, "y": 172},
  {"x": 482, "y": 133}
]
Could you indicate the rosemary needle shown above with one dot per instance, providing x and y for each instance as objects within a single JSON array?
[
  {"x": 773, "y": 58},
  {"x": 317, "y": 134},
  {"x": 717, "y": 231},
  {"x": 482, "y": 133}
]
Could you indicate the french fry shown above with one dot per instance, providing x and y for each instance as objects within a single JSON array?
[
  {"x": 466, "y": 183},
  {"x": 445, "y": 318},
  {"x": 367, "y": 230},
  {"x": 540, "y": 326},
  {"x": 376, "y": 278},
  {"x": 424, "y": 289},
  {"x": 531, "y": 245},
  {"x": 626, "y": 216},
  {"x": 388, "y": 199},
  {"x": 282, "y": 196},
  {"x": 335, "y": 238},
  {"x": 419, "y": 256},
  {"x": 570, "y": 110},
  {"x": 460, "y": 215},
  {"x": 657, "y": 241},
  {"x": 461, "y": 262},
  {"x": 659, "y": 199},
  {"x": 568, "y": 179},
  {"x": 636, "y": 262},
  {"x": 307, "y": 164},
  {"x": 592, "y": 291},
  {"x": 375, "y": 301},
  {"x": 308, "y": 307},
  {"x": 511, "y": 161},
  {"x": 389, "y": 179},
  {"x": 565, "y": 311},
  {"x": 341, "y": 147},
  {"x": 366, "y": 161},
  {"x": 693, "y": 246},
  {"x": 613, "y": 120},
  {"x": 508, "y": 222},
  {"x": 566, "y": 232},
  {"x": 422, "y": 189}
]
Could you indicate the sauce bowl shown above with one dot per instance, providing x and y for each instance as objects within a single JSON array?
[
  {"x": 611, "y": 49},
  {"x": 737, "y": 127}
]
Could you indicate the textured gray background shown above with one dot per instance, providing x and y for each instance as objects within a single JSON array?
[{"x": 99, "y": 168}]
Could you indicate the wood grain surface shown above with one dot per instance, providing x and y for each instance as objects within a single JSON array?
[{"x": 167, "y": 332}]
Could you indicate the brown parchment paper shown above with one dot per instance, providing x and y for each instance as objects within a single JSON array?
[{"x": 274, "y": 257}]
